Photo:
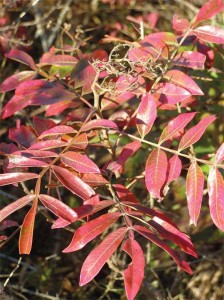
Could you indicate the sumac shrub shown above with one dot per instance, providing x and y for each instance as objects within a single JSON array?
[{"x": 101, "y": 110}]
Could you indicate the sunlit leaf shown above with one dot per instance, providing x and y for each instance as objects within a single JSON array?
[
  {"x": 11, "y": 178},
  {"x": 99, "y": 256},
  {"x": 91, "y": 230},
  {"x": 194, "y": 191},
  {"x": 134, "y": 273},
  {"x": 216, "y": 197}
]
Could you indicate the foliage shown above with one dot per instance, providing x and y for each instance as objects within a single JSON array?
[{"x": 101, "y": 110}]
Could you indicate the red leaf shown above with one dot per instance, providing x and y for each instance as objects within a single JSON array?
[
  {"x": 155, "y": 172},
  {"x": 216, "y": 197},
  {"x": 84, "y": 76},
  {"x": 134, "y": 274},
  {"x": 194, "y": 191},
  {"x": 146, "y": 114},
  {"x": 99, "y": 256},
  {"x": 208, "y": 10},
  {"x": 98, "y": 124},
  {"x": 173, "y": 253},
  {"x": 58, "y": 108},
  {"x": 21, "y": 161},
  {"x": 23, "y": 136},
  {"x": 79, "y": 162},
  {"x": 57, "y": 130},
  {"x": 172, "y": 233},
  {"x": 13, "y": 81},
  {"x": 50, "y": 144},
  {"x": 58, "y": 60},
  {"x": 171, "y": 93},
  {"x": 195, "y": 133},
  {"x": 37, "y": 153},
  {"x": 36, "y": 92},
  {"x": 183, "y": 80},
  {"x": 126, "y": 152},
  {"x": 180, "y": 25},
  {"x": 112, "y": 101},
  {"x": 174, "y": 168},
  {"x": 210, "y": 34},
  {"x": 11, "y": 178},
  {"x": 41, "y": 125},
  {"x": 220, "y": 154},
  {"x": 190, "y": 59},
  {"x": 21, "y": 57},
  {"x": 175, "y": 126},
  {"x": 80, "y": 141},
  {"x": 90, "y": 230},
  {"x": 94, "y": 179},
  {"x": 124, "y": 194},
  {"x": 73, "y": 182},
  {"x": 59, "y": 208},
  {"x": 12, "y": 207},
  {"x": 26, "y": 231}
]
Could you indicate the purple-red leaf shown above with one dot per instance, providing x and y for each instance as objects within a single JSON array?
[
  {"x": 124, "y": 194},
  {"x": 13, "y": 81},
  {"x": 172, "y": 233},
  {"x": 57, "y": 130},
  {"x": 220, "y": 154},
  {"x": 208, "y": 10},
  {"x": 134, "y": 274},
  {"x": 22, "y": 161},
  {"x": 59, "y": 208},
  {"x": 155, "y": 172},
  {"x": 11, "y": 178},
  {"x": 73, "y": 182},
  {"x": 146, "y": 114},
  {"x": 90, "y": 230},
  {"x": 21, "y": 57},
  {"x": 99, "y": 256},
  {"x": 94, "y": 179},
  {"x": 210, "y": 34},
  {"x": 171, "y": 93},
  {"x": 179, "y": 78},
  {"x": 41, "y": 124},
  {"x": 126, "y": 152},
  {"x": 190, "y": 59},
  {"x": 9, "y": 209},
  {"x": 194, "y": 191},
  {"x": 23, "y": 136},
  {"x": 57, "y": 60},
  {"x": 79, "y": 162},
  {"x": 195, "y": 133},
  {"x": 174, "y": 168},
  {"x": 50, "y": 144},
  {"x": 26, "y": 231},
  {"x": 180, "y": 25},
  {"x": 173, "y": 253},
  {"x": 175, "y": 126},
  {"x": 98, "y": 124},
  {"x": 216, "y": 197}
]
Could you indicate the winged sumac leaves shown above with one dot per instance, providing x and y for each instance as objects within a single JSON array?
[
  {"x": 210, "y": 34},
  {"x": 73, "y": 182},
  {"x": 194, "y": 190},
  {"x": 134, "y": 274},
  {"x": 216, "y": 197},
  {"x": 99, "y": 256},
  {"x": 11, "y": 178},
  {"x": 14, "y": 206},
  {"x": 90, "y": 230},
  {"x": 155, "y": 172},
  {"x": 174, "y": 169},
  {"x": 59, "y": 208},
  {"x": 220, "y": 154},
  {"x": 173, "y": 253},
  {"x": 79, "y": 162},
  {"x": 146, "y": 114},
  {"x": 195, "y": 133},
  {"x": 26, "y": 231},
  {"x": 175, "y": 126},
  {"x": 208, "y": 10}
]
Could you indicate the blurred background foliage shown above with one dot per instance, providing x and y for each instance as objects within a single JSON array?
[{"x": 47, "y": 273}]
